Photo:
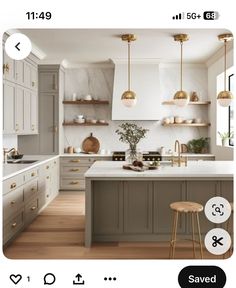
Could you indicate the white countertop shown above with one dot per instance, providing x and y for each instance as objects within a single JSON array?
[
  {"x": 203, "y": 169},
  {"x": 197, "y": 155},
  {"x": 84, "y": 155},
  {"x": 10, "y": 170}
]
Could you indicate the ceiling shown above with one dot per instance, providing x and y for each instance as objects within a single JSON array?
[{"x": 99, "y": 45}]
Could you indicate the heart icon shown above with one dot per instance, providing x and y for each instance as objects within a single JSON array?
[{"x": 15, "y": 278}]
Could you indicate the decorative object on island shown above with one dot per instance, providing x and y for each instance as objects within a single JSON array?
[
  {"x": 128, "y": 98},
  {"x": 91, "y": 144},
  {"x": 194, "y": 97},
  {"x": 181, "y": 97},
  {"x": 200, "y": 145},
  {"x": 130, "y": 133},
  {"x": 225, "y": 136},
  {"x": 225, "y": 97}
]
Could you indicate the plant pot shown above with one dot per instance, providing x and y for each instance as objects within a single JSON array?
[{"x": 223, "y": 142}]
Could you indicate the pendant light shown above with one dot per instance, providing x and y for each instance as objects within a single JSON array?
[
  {"x": 181, "y": 97},
  {"x": 225, "y": 97},
  {"x": 128, "y": 98}
]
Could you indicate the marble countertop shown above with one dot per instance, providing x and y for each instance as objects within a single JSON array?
[
  {"x": 203, "y": 169},
  {"x": 10, "y": 170},
  {"x": 197, "y": 155}
]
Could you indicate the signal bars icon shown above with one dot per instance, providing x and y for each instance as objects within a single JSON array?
[{"x": 179, "y": 16}]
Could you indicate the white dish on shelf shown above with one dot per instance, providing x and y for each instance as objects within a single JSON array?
[
  {"x": 94, "y": 121},
  {"x": 101, "y": 121},
  {"x": 80, "y": 120},
  {"x": 188, "y": 121}
]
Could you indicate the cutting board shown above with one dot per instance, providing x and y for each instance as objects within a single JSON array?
[{"x": 91, "y": 144}]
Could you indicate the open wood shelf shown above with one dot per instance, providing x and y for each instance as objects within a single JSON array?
[
  {"x": 84, "y": 124},
  {"x": 87, "y": 102},
  {"x": 187, "y": 125},
  {"x": 190, "y": 103}
]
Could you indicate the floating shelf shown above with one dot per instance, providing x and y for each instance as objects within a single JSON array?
[
  {"x": 87, "y": 102},
  {"x": 190, "y": 103},
  {"x": 188, "y": 125},
  {"x": 84, "y": 124}
]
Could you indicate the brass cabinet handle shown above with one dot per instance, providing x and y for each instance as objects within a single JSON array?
[
  {"x": 55, "y": 162},
  {"x": 13, "y": 225},
  {"x": 74, "y": 182},
  {"x": 6, "y": 68},
  {"x": 13, "y": 185},
  {"x": 47, "y": 195},
  {"x": 47, "y": 167},
  {"x": 74, "y": 169},
  {"x": 33, "y": 83},
  {"x": 13, "y": 202},
  {"x": 33, "y": 174},
  {"x": 16, "y": 127},
  {"x": 75, "y": 160},
  {"x": 32, "y": 127},
  {"x": 33, "y": 208},
  {"x": 33, "y": 189},
  {"x": 47, "y": 177}
]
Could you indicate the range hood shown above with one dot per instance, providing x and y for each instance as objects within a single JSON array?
[{"x": 145, "y": 82}]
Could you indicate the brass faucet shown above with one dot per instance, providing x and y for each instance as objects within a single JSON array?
[
  {"x": 6, "y": 152},
  {"x": 179, "y": 159}
]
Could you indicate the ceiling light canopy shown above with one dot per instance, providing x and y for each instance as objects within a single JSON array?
[
  {"x": 181, "y": 97},
  {"x": 128, "y": 98},
  {"x": 225, "y": 97}
]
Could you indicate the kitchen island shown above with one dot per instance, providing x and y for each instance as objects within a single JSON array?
[{"x": 124, "y": 205}]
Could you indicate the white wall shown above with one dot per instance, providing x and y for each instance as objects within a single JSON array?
[
  {"x": 9, "y": 141},
  {"x": 215, "y": 69},
  {"x": 99, "y": 83}
]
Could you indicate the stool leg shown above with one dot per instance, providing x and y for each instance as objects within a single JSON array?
[
  {"x": 193, "y": 234},
  {"x": 199, "y": 235},
  {"x": 173, "y": 234}
]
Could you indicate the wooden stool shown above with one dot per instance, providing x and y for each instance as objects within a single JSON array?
[{"x": 185, "y": 207}]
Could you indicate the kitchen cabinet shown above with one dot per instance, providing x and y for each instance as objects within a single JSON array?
[
  {"x": 19, "y": 72},
  {"x": 109, "y": 218},
  {"x": 27, "y": 74},
  {"x": 9, "y": 92},
  {"x": 165, "y": 193},
  {"x": 19, "y": 110},
  {"x": 137, "y": 207},
  {"x": 8, "y": 67}
]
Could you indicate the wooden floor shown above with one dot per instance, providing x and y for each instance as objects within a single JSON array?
[{"x": 58, "y": 233}]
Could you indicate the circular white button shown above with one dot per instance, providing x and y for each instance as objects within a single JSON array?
[
  {"x": 18, "y": 46},
  {"x": 217, "y": 241},
  {"x": 217, "y": 210}
]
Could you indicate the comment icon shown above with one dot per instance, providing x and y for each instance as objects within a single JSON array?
[{"x": 49, "y": 279}]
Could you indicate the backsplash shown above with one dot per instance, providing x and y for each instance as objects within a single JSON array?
[{"x": 99, "y": 83}]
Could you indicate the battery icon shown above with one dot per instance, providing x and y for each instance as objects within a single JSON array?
[{"x": 211, "y": 15}]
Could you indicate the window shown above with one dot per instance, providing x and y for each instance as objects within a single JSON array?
[{"x": 231, "y": 80}]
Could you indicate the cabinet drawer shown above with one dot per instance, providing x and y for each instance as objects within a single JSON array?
[
  {"x": 76, "y": 160},
  {"x": 31, "y": 174},
  {"x": 31, "y": 210},
  {"x": 72, "y": 184},
  {"x": 13, "y": 226},
  {"x": 13, "y": 183},
  {"x": 30, "y": 189},
  {"x": 72, "y": 171},
  {"x": 12, "y": 202}
]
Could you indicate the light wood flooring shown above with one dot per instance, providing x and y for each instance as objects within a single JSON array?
[{"x": 58, "y": 233}]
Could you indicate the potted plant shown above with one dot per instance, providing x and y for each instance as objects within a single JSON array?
[
  {"x": 130, "y": 133},
  {"x": 198, "y": 145},
  {"x": 225, "y": 136}
]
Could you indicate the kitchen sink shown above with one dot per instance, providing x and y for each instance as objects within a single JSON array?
[{"x": 21, "y": 161}]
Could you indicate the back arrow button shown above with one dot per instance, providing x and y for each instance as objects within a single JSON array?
[{"x": 17, "y": 46}]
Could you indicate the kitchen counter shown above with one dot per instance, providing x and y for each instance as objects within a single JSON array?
[
  {"x": 10, "y": 170},
  {"x": 85, "y": 155},
  {"x": 203, "y": 169},
  {"x": 125, "y": 205}
]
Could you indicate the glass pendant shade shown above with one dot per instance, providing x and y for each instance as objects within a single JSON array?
[
  {"x": 181, "y": 98},
  {"x": 129, "y": 98},
  {"x": 225, "y": 97}
]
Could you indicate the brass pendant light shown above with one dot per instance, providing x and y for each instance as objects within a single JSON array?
[
  {"x": 128, "y": 98},
  {"x": 225, "y": 97},
  {"x": 181, "y": 98}
]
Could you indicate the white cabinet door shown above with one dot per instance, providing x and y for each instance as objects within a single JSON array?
[
  {"x": 34, "y": 112},
  {"x": 27, "y": 75},
  {"x": 19, "y": 110},
  {"x": 9, "y": 91},
  {"x": 8, "y": 67},
  {"x": 19, "y": 72},
  {"x": 27, "y": 112},
  {"x": 34, "y": 78}
]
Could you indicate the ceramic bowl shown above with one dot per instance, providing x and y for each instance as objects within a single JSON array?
[
  {"x": 198, "y": 120},
  {"x": 93, "y": 121},
  {"x": 178, "y": 120},
  {"x": 101, "y": 121},
  {"x": 80, "y": 120},
  {"x": 188, "y": 121},
  {"x": 166, "y": 121}
]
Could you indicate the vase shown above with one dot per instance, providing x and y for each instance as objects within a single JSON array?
[
  {"x": 133, "y": 154},
  {"x": 223, "y": 142}
]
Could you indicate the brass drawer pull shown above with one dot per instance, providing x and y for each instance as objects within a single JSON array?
[
  {"x": 55, "y": 162},
  {"x": 32, "y": 127},
  {"x": 33, "y": 83},
  {"x": 33, "y": 174},
  {"x": 6, "y": 68},
  {"x": 13, "y": 225},
  {"x": 47, "y": 167},
  {"x": 33, "y": 189},
  {"x": 13, "y": 202},
  {"x": 47, "y": 177},
  {"x": 75, "y": 160},
  {"x": 74, "y": 169},
  {"x": 74, "y": 182},
  {"x": 47, "y": 195},
  {"x": 33, "y": 208},
  {"x": 13, "y": 185}
]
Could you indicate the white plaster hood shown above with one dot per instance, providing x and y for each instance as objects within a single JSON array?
[{"x": 145, "y": 82}]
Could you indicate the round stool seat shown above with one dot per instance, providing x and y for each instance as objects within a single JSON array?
[{"x": 186, "y": 207}]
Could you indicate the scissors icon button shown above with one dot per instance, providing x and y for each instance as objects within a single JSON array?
[{"x": 217, "y": 241}]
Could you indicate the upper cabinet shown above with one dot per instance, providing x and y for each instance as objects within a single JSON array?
[
  {"x": 145, "y": 83},
  {"x": 8, "y": 67}
]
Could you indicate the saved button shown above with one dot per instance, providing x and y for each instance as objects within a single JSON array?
[{"x": 202, "y": 277}]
